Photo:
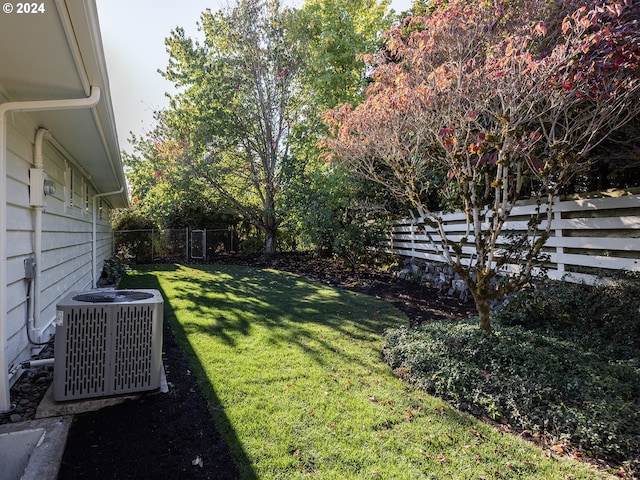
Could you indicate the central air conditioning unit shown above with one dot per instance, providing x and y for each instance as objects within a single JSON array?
[{"x": 108, "y": 342}]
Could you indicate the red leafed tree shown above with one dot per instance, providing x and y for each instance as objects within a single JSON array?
[{"x": 486, "y": 104}]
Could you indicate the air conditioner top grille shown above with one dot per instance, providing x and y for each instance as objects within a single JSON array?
[{"x": 113, "y": 296}]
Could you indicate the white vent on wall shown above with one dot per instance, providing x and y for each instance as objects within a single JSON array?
[{"x": 108, "y": 342}]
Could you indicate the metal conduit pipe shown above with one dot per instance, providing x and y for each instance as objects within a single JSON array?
[
  {"x": 34, "y": 294},
  {"x": 38, "y": 363},
  {"x": 5, "y": 109}
]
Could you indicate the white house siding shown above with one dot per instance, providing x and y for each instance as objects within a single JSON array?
[
  {"x": 104, "y": 236},
  {"x": 66, "y": 263},
  {"x": 19, "y": 238}
]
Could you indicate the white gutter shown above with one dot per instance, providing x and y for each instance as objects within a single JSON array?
[
  {"x": 90, "y": 12},
  {"x": 94, "y": 229},
  {"x": 5, "y": 108}
]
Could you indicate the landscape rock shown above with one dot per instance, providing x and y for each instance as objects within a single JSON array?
[
  {"x": 436, "y": 275},
  {"x": 29, "y": 389}
]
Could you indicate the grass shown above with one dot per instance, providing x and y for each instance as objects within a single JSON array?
[{"x": 296, "y": 383}]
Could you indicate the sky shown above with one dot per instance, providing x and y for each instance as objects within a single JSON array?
[{"x": 133, "y": 34}]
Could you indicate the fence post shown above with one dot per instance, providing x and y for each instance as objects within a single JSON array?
[
  {"x": 557, "y": 217},
  {"x": 414, "y": 227}
]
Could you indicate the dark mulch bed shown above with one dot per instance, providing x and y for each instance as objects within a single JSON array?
[{"x": 161, "y": 436}]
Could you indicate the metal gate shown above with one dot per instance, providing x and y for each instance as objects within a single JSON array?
[
  {"x": 166, "y": 246},
  {"x": 198, "y": 244}
]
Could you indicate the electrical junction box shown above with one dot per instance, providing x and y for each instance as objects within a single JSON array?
[
  {"x": 37, "y": 177},
  {"x": 29, "y": 268}
]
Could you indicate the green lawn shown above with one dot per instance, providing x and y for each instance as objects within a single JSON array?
[{"x": 297, "y": 385}]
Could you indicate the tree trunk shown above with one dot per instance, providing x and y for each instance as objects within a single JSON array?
[
  {"x": 483, "y": 305},
  {"x": 270, "y": 222},
  {"x": 270, "y": 233},
  {"x": 270, "y": 243}
]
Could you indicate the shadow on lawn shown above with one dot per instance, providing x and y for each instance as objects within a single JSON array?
[
  {"x": 224, "y": 426},
  {"x": 283, "y": 302}
]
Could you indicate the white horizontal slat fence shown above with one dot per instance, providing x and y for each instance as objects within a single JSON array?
[{"x": 589, "y": 236}]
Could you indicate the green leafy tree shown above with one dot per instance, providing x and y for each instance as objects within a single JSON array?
[
  {"x": 336, "y": 33},
  {"x": 152, "y": 195},
  {"x": 334, "y": 215},
  {"x": 163, "y": 190},
  {"x": 322, "y": 202},
  {"x": 231, "y": 120}
]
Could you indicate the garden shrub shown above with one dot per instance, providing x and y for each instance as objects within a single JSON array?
[
  {"x": 112, "y": 271},
  {"x": 251, "y": 247},
  {"x": 609, "y": 312},
  {"x": 532, "y": 379},
  {"x": 132, "y": 245}
]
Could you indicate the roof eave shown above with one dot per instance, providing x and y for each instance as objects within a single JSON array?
[{"x": 80, "y": 20}]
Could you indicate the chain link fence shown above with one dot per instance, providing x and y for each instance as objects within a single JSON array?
[{"x": 173, "y": 245}]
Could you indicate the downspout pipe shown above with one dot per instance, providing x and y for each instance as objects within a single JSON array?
[
  {"x": 94, "y": 229},
  {"x": 5, "y": 109}
]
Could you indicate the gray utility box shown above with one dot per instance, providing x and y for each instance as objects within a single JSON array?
[{"x": 108, "y": 342}]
